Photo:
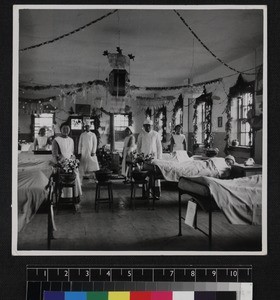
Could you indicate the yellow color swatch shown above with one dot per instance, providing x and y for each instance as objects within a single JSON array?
[{"x": 118, "y": 295}]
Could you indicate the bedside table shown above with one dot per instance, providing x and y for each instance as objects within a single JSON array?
[{"x": 240, "y": 170}]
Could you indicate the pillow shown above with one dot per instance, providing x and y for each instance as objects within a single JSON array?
[
  {"x": 25, "y": 147},
  {"x": 222, "y": 167}
]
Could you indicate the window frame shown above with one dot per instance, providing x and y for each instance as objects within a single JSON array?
[
  {"x": 122, "y": 127},
  {"x": 241, "y": 119},
  {"x": 33, "y": 120}
]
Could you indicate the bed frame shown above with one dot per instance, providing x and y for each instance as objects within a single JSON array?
[
  {"x": 50, "y": 203},
  {"x": 206, "y": 203}
]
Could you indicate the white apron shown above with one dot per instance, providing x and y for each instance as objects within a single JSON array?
[
  {"x": 178, "y": 142},
  {"x": 87, "y": 146},
  {"x": 126, "y": 151},
  {"x": 42, "y": 141},
  {"x": 66, "y": 146}
]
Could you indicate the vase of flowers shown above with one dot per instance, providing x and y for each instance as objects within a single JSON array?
[
  {"x": 105, "y": 160},
  {"x": 67, "y": 169},
  {"x": 138, "y": 160}
]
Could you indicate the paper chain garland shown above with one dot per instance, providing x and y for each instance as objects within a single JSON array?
[
  {"x": 214, "y": 55},
  {"x": 78, "y": 87},
  {"x": 69, "y": 33}
]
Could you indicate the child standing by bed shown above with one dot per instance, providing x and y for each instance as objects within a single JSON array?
[{"x": 178, "y": 140}]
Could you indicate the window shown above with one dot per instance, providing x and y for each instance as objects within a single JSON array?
[
  {"x": 179, "y": 117},
  {"x": 201, "y": 117},
  {"x": 202, "y": 120},
  {"x": 43, "y": 120},
  {"x": 244, "y": 130},
  {"x": 121, "y": 122},
  {"x": 160, "y": 122}
]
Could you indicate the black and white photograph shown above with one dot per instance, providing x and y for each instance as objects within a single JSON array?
[{"x": 139, "y": 130}]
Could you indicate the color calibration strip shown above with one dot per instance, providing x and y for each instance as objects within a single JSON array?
[{"x": 140, "y": 295}]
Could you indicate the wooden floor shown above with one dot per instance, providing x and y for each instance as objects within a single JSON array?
[{"x": 133, "y": 230}]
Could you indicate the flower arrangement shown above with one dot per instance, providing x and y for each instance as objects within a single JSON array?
[
  {"x": 138, "y": 159},
  {"x": 68, "y": 165},
  {"x": 104, "y": 158}
]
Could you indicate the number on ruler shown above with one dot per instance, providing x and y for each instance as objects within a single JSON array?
[
  {"x": 192, "y": 273},
  {"x": 87, "y": 273},
  {"x": 129, "y": 273},
  {"x": 108, "y": 273},
  {"x": 233, "y": 273},
  {"x": 66, "y": 273},
  {"x": 214, "y": 273},
  {"x": 171, "y": 273}
]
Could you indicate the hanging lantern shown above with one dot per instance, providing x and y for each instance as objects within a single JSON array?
[{"x": 118, "y": 82}]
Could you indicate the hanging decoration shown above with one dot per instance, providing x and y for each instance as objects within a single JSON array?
[
  {"x": 119, "y": 76},
  {"x": 160, "y": 122},
  {"x": 96, "y": 114},
  {"x": 206, "y": 98},
  {"x": 178, "y": 105},
  {"x": 154, "y": 102},
  {"x": 207, "y": 125},
  {"x": 228, "y": 125},
  {"x": 204, "y": 46},
  {"x": 117, "y": 60},
  {"x": 186, "y": 86},
  {"x": 241, "y": 87},
  {"x": 79, "y": 86},
  {"x": 69, "y": 33},
  {"x": 195, "y": 127},
  {"x": 148, "y": 112}
]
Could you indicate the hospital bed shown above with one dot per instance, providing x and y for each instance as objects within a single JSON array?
[{"x": 239, "y": 199}]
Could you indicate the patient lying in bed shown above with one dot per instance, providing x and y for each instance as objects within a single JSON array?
[{"x": 180, "y": 165}]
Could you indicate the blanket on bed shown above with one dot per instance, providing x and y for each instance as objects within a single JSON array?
[
  {"x": 27, "y": 161},
  {"x": 172, "y": 169},
  {"x": 31, "y": 194},
  {"x": 240, "y": 199}
]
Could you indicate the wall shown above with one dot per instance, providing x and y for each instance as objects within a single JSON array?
[
  {"x": 221, "y": 89},
  {"x": 24, "y": 123}
]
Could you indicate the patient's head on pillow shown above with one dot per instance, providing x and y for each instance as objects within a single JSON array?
[{"x": 230, "y": 160}]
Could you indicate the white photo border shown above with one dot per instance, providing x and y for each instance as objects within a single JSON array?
[{"x": 14, "y": 206}]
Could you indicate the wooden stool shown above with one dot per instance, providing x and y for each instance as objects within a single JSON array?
[
  {"x": 99, "y": 200},
  {"x": 66, "y": 182},
  {"x": 134, "y": 185}
]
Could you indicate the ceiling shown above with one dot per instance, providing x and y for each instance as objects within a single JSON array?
[{"x": 166, "y": 53}]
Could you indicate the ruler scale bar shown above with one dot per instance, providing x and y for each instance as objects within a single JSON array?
[
  {"x": 232, "y": 274},
  {"x": 55, "y": 283}
]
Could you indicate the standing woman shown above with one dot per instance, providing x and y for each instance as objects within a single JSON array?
[
  {"x": 128, "y": 147},
  {"x": 87, "y": 151},
  {"x": 178, "y": 140},
  {"x": 41, "y": 140},
  {"x": 63, "y": 147}
]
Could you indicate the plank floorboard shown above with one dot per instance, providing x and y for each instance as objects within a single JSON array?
[{"x": 141, "y": 229}]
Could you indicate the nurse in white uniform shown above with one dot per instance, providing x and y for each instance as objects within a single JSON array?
[
  {"x": 149, "y": 143},
  {"x": 87, "y": 150},
  {"x": 63, "y": 147}
]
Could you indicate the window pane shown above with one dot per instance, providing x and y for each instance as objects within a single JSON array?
[
  {"x": 120, "y": 122},
  {"x": 43, "y": 120},
  {"x": 179, "y": 117},
  {"x": 243, "y": 139}
]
